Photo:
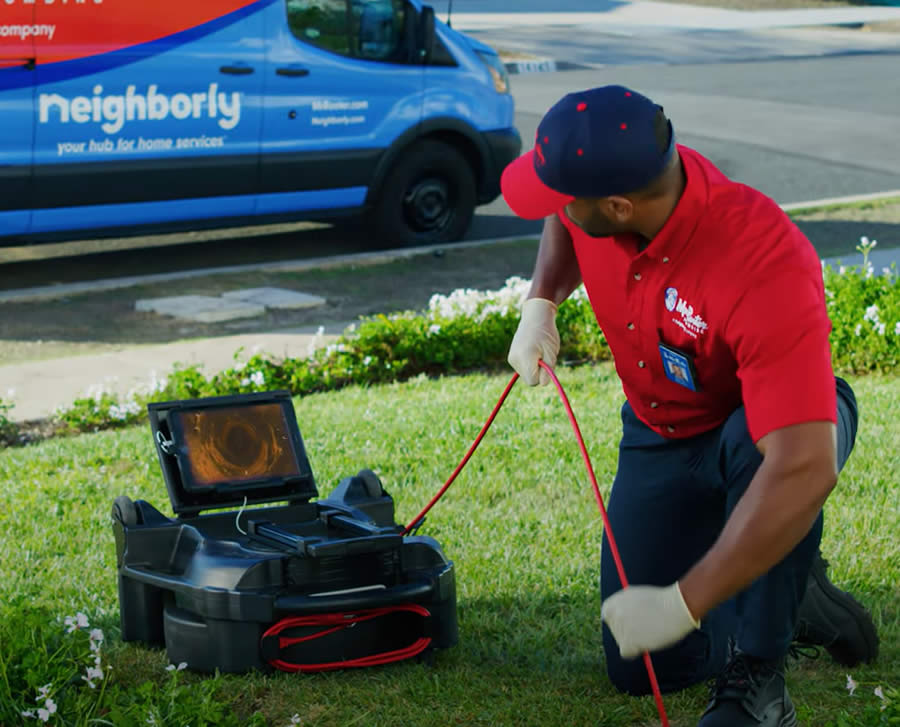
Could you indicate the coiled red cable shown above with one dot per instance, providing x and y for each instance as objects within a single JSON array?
[
  {"x": 339, "y": 621},
  {"x": 654, "y": 685}
]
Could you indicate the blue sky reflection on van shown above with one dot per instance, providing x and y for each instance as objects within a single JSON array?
[{"x": 274, "y": 110}]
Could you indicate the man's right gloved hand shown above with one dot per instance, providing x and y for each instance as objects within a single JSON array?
[{"x": 536, "y": 340}]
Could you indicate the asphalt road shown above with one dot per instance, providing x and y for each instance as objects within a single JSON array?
[{"x": 797, "y": 129}]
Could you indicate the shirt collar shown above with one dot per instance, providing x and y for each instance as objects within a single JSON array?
[{"x": 676, "y": 233}]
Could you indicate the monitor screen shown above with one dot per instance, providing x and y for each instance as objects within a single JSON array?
[{"x": 234, "y": 445}]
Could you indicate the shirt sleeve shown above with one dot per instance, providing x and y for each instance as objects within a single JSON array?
[{"x": 778, "y": 333}]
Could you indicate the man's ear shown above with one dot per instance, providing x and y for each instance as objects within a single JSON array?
[{"x": 620, "y": 209}]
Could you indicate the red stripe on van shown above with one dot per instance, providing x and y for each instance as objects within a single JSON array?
[{"x": 83, "y": 28}]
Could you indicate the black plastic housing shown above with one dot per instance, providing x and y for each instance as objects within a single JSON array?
[{"x": 208, "y": 585}]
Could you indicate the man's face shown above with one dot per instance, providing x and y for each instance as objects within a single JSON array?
[{"x": 591, "y": 216}]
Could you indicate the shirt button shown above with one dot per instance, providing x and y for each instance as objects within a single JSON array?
[
  {"x": 641, "y": 364},
  {"x": 654, "y": 404},
  {"x": 665, "y": 259},
  {"x": 670, "y": 428},
  {"x": 637, "y": 276},
  {"x": 630, "y": 326}
]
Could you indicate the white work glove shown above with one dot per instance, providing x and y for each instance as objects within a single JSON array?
[
  {"x": 536, "y": 339},
  {"x": 647, "y": 618}
]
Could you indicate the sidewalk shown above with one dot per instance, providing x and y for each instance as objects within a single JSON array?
[
  {"x": 40, "y": 387},
  {"x": 648, "y": 14}
]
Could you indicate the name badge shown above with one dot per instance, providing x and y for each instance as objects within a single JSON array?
[{"x": 679, "y": 367}]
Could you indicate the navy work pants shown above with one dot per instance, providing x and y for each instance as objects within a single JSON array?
[{"x": 669, "y": 502}]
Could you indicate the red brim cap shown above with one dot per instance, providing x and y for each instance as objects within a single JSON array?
[{"x": 526, "y": 194}]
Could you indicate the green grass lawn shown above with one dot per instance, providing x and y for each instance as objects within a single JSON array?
[{"x": 520, "y": 523}]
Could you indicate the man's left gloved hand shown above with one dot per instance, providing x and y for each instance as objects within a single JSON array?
[{"x": 647, "y": 618}]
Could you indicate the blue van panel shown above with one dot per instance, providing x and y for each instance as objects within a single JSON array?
[
  {"x": 140, "y": 213},
  {"x": 325, "y": 199}
]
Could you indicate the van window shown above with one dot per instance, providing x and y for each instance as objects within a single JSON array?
[{"x": 366, "y": 29}]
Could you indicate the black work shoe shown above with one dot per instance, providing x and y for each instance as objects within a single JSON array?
[
  {"x": 832, "y": 618},
  {"x": 750, "y": 692}
]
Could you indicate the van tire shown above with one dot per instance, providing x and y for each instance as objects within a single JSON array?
[{"x": 427, "y": 197}]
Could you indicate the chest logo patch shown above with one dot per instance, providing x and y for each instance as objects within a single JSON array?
[{"x": 687, "y": 320}]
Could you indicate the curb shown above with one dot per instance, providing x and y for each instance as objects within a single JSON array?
[
  {"x": 542, "y": 65},
  {"x": 50, "y": 292}
]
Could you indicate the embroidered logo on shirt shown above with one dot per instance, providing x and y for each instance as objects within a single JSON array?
[
  {"x": 671, "y": 298},
  {"x": 690, "y": 322}
]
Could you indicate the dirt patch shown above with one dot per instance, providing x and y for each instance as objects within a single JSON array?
[
  {"x": 107, "y": 321},
  {"x": 92, "y": 323}
]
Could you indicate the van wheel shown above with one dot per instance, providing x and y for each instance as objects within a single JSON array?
[{"x": 428, "y": 196}]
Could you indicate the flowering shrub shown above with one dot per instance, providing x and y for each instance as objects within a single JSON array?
[
  {"x": 471, "y": 329},
  {"x": 865, "y": 313}
]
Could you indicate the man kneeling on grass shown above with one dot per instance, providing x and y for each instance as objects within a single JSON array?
[{"x": 734, "y": 427}]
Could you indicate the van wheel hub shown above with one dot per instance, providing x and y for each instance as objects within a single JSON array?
[{"x": 427, "y": 205}]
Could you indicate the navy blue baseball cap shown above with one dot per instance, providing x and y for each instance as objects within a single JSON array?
[{"x": 594, "y": 143}]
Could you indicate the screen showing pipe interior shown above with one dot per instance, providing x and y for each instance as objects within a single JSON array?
[{"x": 234, "y": 444}]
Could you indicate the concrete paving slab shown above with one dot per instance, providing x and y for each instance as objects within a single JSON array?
[
  {"x": 276, "y": 298},
  {"x": 40, "y": 387},
  {"x": 200, "y": 308}
]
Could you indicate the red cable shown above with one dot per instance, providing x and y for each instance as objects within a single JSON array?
[
  {"x": 342, "y": 621},
  {"x": 654, "y": 685}
]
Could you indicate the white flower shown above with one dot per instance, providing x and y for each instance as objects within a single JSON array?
[
  {"x": 879, "y": 329},
  {"x": 245, "y": 382},
  {"x": 879, "y": 693},
  {"x": 871, "y": 313},
  {"x": 842, "y": 270},
  {"x": 851, "y": 685},
  {"x": 96, "y": 635},
  {"x": 50, "y": 705},
  {"x": 295, "y": 719},
  {"x": 433, "y": 328},
  {"x": 257, "y": 378},
  {"x": 172, "y": 667},
  {"x": 870, "y": 270},
  {"x": 45, "y": 690},
  {"x": 368, "y": 359},
  {"x": 28, "y": 713},
  {"x": 43, "y": 715},
  {"x": 858, "y": 329},
  {"x": 897, "y": 329},
  {"x": 239, "y": 366},
  {"x": 78, "y": 621}
]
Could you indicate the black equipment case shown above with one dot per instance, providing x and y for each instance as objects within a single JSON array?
[{"x": 287, "y": 584}]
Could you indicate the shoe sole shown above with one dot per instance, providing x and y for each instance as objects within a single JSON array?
[{"x": 864, "y": 626}]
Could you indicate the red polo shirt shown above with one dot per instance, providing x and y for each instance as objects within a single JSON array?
[{"x": 729, "y": 281}]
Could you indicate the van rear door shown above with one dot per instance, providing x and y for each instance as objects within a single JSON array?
[
  {"x": 17, "y": 30},
  {"x": 343, "y": 80},
  {"x": 148, "y": 112}
]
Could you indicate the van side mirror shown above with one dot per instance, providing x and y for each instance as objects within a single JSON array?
[{"x": 426, "y": 34}]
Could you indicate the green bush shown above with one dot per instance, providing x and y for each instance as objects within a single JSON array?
[
  {"x": 9, "y": 432},
  {"x": 470, "y": 330}
]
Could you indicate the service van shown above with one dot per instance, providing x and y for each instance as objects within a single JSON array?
[{"x": 120, "y": 117}]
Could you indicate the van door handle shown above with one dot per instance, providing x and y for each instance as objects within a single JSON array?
[
  {"x": 292, "y": 71},
  {"x": 236, "y": 70}
]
